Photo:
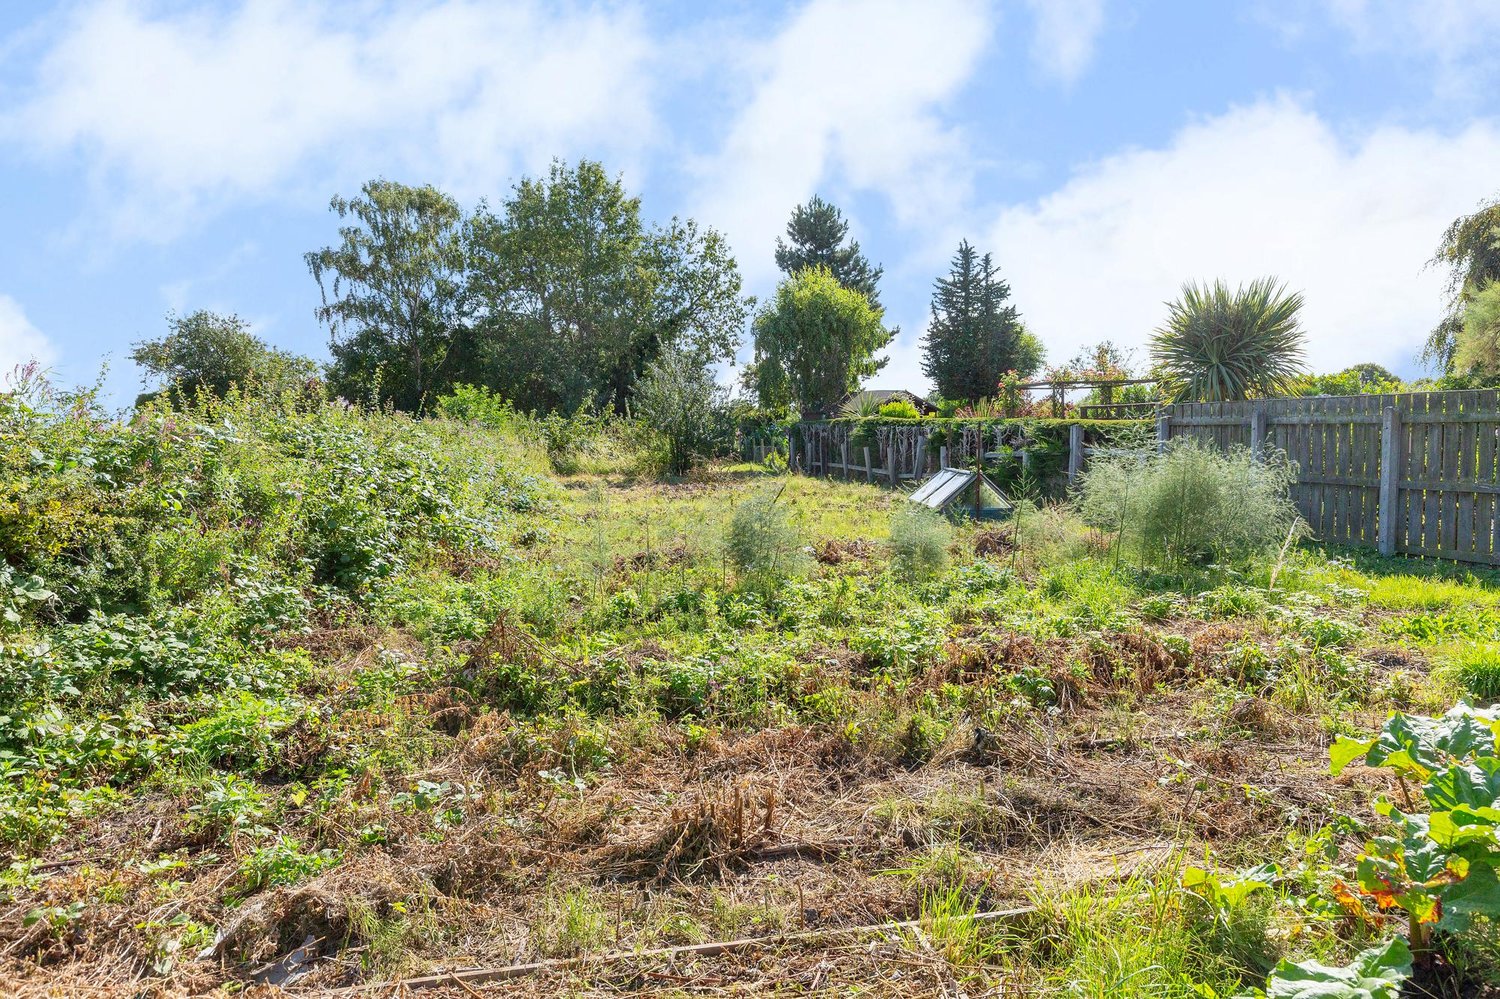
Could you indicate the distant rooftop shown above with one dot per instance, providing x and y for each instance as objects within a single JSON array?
[{"x": 882, "y": 396}]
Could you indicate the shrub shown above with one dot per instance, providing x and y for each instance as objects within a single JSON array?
[
  {"x": 1191, "y": 505},
  {"x": 860, "y": 406},
  {"x": 1221, "y": 344},
  {"x": 899, "y": 409},
  {"x": 762, "y": 543},
  {"x": 682, "y": 404},
  {"x": 1048, "y": 534},
  {"x": 210, "y": 352},
  {"x": 919, "y": 541}
]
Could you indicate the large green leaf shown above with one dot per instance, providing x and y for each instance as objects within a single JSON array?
[
  {"x": 1466, "y": 731},
  {"x": 1376, "y": 973},
  {"x": 1464, "y": 827},
  {"x": 1227, "y": 894},
  {"x": 1345, "y": 751},
  {"x": 1476, "y": 784},
  {"x": 1418, "y": 746},
  {"x": 1476, "y": 895}
]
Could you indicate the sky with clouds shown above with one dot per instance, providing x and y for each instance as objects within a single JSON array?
[{"x": 161, "y": 155}]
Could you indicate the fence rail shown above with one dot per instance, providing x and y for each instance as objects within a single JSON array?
[{"x": 1412, "y": 473}]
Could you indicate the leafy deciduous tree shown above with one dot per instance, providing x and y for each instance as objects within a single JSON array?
[
  {"x": 680, "y": 400},
  {"x": 393, "y": 292},
  {"x": 815, "y": 342},
  {"x": 1478, "y": 341},
  {"x": 574, "y": 296},
  {"x": 1470, "y": 250},
  {"x": 205, "y": 350}
]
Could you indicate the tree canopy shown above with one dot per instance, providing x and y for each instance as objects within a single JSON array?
[
  {"x": 816, "y": 237},
  {"x": 1478, "y": 342},
  {"x": 393, "y": 292},
  {"x": 207, "y": 351},
  {"x": 557, "y": 298},
  {"x": 814, "y": 343},
  {"x": 575, "y": 296},
  {"x": 1470, "y": 251},
  {"x": 974, "y": 336}
]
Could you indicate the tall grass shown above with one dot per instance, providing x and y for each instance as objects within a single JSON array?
[
  {"x": 1473, "y": 669},
  {"x": 1419, "y": 593},
  {"x": 1144, "y": 937}
]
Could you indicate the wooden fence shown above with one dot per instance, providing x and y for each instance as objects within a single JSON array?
[
  {"x": 898, "y": 453},
  {"x": 1413, "y": 473}
]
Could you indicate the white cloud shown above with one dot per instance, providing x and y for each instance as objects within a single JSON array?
[
  {"x": 1264, "y": 189},
  {"x": 1445, "y": 28},
  {"x": 1453, "y": 39},
  {"x": 176, "y": 110},
  {"x": 20, "y": 341},
  {"x": 1065, "y": 35},
  {"x": 849, "y": 93}
]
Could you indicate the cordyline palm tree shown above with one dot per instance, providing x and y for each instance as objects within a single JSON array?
[{"x": 1218, "y": 345}]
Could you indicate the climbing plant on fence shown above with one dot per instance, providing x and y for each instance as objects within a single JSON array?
[{"x": 836, "y": 447}]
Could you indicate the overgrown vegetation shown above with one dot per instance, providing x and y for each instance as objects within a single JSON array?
[
  {"x": 293, "y": 688},
  {"x": 919, "y": 542},
  {"x": 1192, "y": 505}
]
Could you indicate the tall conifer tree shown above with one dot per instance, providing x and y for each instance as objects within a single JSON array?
[
  {"x": 974, "y": 336},
  {"x": 815, "y": 238}
]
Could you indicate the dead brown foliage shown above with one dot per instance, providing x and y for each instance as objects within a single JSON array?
[{"x": 837, "y": 551}]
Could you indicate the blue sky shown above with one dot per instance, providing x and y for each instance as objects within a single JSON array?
[{"x": 161, "y": 156}]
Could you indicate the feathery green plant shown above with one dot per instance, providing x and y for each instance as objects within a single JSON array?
[{"x": 919, "y": 542}]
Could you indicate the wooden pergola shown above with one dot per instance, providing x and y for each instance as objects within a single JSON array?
[{"x": 1107, "y": 407}]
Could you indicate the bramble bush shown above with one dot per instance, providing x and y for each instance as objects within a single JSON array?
[
  {"x": 151, "y": 559},
  {"x": 163, "y": 507}
]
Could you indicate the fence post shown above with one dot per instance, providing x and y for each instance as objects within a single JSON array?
[
  {"x": 893, "y": 461},
  {"x": 1075, "y": 453},
  {"x": 1258, "y": 431},
  {"x": 791, "y": 450},
  {"x": 920, "y": 465},
  {"x": 943, "y": 456},
  {"x": 844, "y": 450},
  {"x": 1163, "y": 432},
  {"x": 1390, "y": 479},
  {"x": 869, "y": 468}
]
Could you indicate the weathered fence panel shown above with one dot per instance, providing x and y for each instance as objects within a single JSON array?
[{"x": 1413, "y": 473}]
